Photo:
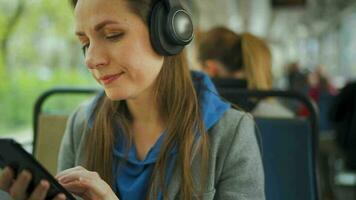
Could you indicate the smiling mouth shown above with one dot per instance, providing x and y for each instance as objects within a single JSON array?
[{"x": 106, "y": 80}]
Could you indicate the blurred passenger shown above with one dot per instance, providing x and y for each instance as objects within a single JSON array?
[
  {"x": 297, "y": 79},
  {"x": 343, "y": 116},
  {"x": 297, "y": 82},
  {"x": 322, "y": 92},
  {"x": 320, "y": 89},
  {"x": 225, "y": 54},
  {"x": 320, "y": 84}
]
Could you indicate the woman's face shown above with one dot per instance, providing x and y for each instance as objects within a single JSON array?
[{"x": 118, "y": 50}]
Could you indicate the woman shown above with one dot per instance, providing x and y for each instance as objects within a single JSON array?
[
  {"x": 225, "y": 54},
  {"x": 155, "y": 133}
]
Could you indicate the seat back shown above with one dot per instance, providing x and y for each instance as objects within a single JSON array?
[
  {"x": 49, "y": 127},
  {"x": 231, "y": 83},
  {"x": 324, "y": 104},
  {"x": 287, "y": 158},
  {"x": 222, "y": 84},
  {"x": 49, "y": 135},
  {"x": 289, "y": 148}
]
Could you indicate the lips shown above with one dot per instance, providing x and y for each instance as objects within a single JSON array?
[{"x": 110, "y": 78}]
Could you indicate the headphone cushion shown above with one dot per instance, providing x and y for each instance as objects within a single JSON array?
[{"x": 159, "y": 34}]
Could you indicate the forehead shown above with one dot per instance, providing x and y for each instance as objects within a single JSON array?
[{"x": 90, "y": 12}]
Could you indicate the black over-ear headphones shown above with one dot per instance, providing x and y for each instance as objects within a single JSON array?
[{"x": 171, "y": 27}]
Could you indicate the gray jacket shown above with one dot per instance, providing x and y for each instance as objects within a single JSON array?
[{"x": 235, "y": 166}]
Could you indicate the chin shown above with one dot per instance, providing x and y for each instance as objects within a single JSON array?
[{"x": 115, "y": 95}]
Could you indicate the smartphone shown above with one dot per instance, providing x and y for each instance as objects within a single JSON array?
[{"x": 13, "y": 155}]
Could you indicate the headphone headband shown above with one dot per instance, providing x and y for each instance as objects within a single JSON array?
[{"x": 172, "y": 3}]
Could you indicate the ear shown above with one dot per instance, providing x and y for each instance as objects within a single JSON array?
[{"x": 211, "y": 67}]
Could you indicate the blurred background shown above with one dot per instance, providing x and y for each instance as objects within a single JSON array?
[
  {"x": 38, "y": 50},
  {"x": 309, "y": 32}
]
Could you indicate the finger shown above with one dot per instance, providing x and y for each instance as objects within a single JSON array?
[
  {"x": 69, "y": 178},
  {"x": 6, "y": 178},
  {"x": 60, "y": 196},
  {"x": 18, "y": 189},
  {"x": 76, "y": 187},
  {"x": 76, "y": 175},
  {"x": 88, "y": 188},
  {"x": 40, "y": 191},
  {"x": 69, "y": 171}
]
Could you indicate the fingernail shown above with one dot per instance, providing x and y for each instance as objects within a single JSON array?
[
  {"x": 25, "y": 172},
  {"x": 59, "y": 179},
  {"x": 26, "y": 175},
  {"x": 44, "y": 184},
  {"x": 7, "y": 173},
  {"x": 62, "y": 196}
]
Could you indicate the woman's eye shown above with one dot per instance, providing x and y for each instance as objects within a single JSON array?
[
  {"x": 115, "y": 36},
  {"x": 85, "y": 48}
]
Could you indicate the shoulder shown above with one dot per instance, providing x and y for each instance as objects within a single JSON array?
[
  {"x": 82, "y": 117},
  {"x": 72, "y": 145},
  {"x": 230, "y": 122},
  {"x": 78, "y": 119},
  {"x": 235, "y": 159},
  {"x": 234, "y": 128},
  {"x": 234, "y": 114}
]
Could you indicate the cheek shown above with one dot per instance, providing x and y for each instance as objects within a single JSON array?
[
  {"x": 142, "y": 62},
  {"x": 141, "y": 70},
  {"x": 148, "y": 71},
  {"x": 141, "y": 65}
]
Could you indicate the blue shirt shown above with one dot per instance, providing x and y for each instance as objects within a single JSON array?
[{"x": 133, "y": 175}]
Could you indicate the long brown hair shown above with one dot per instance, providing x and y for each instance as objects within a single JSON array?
[
  {"x": 239, "y": 52},
  {"x": 175, "y": 93}
]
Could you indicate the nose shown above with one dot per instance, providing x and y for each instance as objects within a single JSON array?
[{"x": 96, "y": 57}]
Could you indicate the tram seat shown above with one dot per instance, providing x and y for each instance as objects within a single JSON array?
[
  {"x": 288, "y": 146},
  {"x": 324, "y": 104},
  {"x": 49, "y": 128},
  {"x": 231, "y": 83},
  {"x": 49, "y": 135},
  {"x": 287, "y": 158}
]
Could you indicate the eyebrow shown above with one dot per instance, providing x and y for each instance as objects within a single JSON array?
[{"x": 98, "y": 26}]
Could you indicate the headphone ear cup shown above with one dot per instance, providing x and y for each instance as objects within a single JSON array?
[
  {"x": 158, "y": 32},
  {"x": 179, "y": 26}
]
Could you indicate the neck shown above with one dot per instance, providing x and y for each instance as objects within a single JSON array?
[
  {"x": 144, "y": 109},
  {"x": 147, "y": 124}
]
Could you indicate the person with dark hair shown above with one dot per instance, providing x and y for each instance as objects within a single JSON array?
[
  {"x": 220, "y": 52},
  {"x": 158, "y": 131},
  {"x": 343, "y": 117},
  {"x": 225, "y": 54}
]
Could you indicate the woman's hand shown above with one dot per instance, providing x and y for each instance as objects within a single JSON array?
[
  {"x": 85, "y": 184},
  {"x": 17, "y": 188}
]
